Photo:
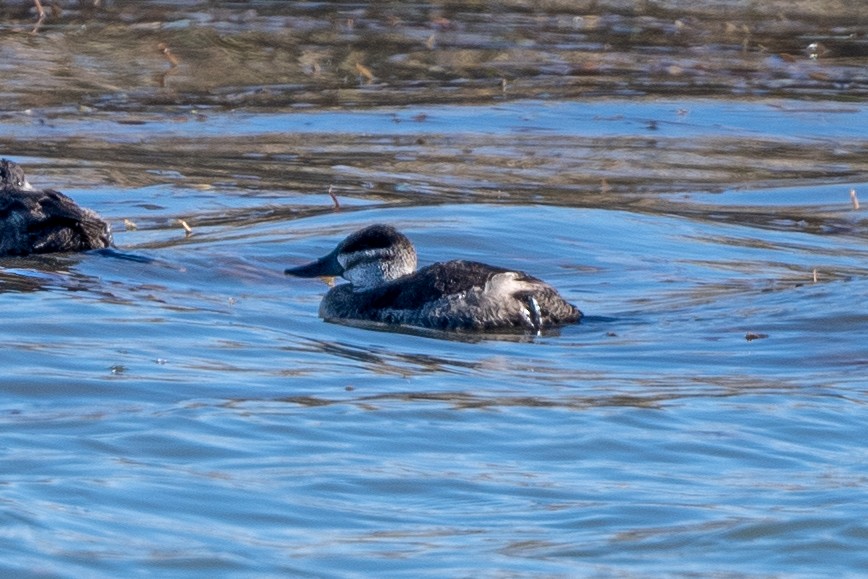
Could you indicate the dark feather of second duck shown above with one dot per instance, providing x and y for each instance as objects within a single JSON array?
[
  {"x": 44, "y": 221},
  {"x": 385, "y": 287}
]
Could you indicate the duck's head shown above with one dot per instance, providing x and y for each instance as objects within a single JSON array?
[
  {"x": 367, "y": 258},
  {"x": 12, "y": 175}
]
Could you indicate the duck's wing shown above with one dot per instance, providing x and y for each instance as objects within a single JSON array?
[{"x": 433, "y": 283}]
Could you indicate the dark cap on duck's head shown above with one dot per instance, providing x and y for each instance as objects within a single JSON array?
[
  {"x": 371, "y": 238},
  {"x": 366, "y": 258}
]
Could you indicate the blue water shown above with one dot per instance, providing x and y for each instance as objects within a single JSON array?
[
  {"x": 190, "y": 415},
  {"x": 688, "y": 175},
  {"x": 779, "y": 119}
]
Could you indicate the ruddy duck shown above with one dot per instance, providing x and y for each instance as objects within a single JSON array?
[
  {"x": 44, "y": 221},
  {"x": 380, "y": 264}
]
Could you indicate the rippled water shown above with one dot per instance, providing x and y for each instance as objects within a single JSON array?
[{"x": 681, "y": 173}]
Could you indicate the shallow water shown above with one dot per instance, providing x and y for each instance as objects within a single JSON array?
[{"x": 176, "y": 407}]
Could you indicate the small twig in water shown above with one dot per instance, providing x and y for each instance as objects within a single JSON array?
[
  {"x": 854, "y": 199},
  {"x": 365, "y": 72},
  {"x": 163, "y": 48},
  {"x": 40, "y": 12},
  {"x": 173, "y": 64},
  {"x": 334, "y": 197},
  {"x": 188, "y": 231}
]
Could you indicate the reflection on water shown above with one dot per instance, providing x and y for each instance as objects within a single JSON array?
[
  {"x": 279, "y": 54},
  {"x": 680, "y": 172},
  {"x": 565, "y": 154}
]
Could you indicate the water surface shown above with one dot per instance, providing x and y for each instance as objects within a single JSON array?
[{"x": 682, "y": 174}]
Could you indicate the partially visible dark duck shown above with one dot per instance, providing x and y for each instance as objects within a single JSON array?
[
  {"x": 44, "y": 221},
  {"x": 380, "y": 264}
]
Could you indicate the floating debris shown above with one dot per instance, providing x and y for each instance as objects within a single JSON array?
[
  {"x": 55, "y": 11},
  {"x": 40, "y": 13},
  {"x": 854, "y": 199},
  {"x": 816, "y": 50},
  {"x": 187, "y": 229},
  {"x": 129, "y": 225},
  {"x": 334, "y": 197},
  {"x": 167, "y": 53},
  {"x": 815, "y": 275},
  {"x": 173, "y": 64},
  {"x": 365, "y": 72},
  {"x": 441, "y": 23},
  {"x": 751, "y": 336}
]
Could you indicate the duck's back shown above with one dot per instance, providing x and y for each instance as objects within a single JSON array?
[
  {"x": 456, "y": 295},
  {"x": 47, "y": 221}
]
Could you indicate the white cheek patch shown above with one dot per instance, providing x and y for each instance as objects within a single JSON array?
[
  {"x": 352, "y": 260},
  {"x": 363, "y": 269},
  {"x": 372, "y": 267}
]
